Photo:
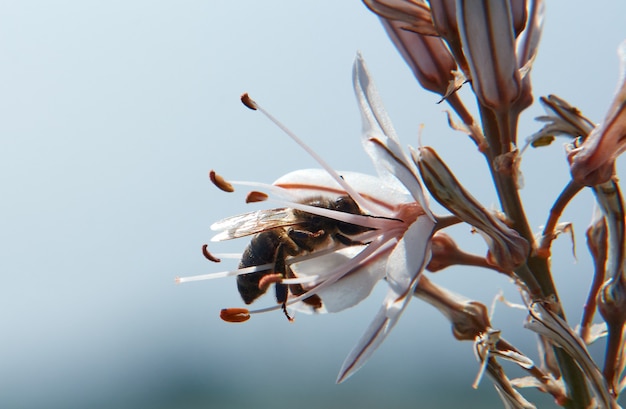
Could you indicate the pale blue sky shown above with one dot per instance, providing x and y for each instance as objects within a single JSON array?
[{"x": 111, "y": 115}]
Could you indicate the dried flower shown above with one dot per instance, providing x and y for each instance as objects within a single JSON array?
[
  {"x": 548, "y": 324},
  {"x": 594, "y": 161}
]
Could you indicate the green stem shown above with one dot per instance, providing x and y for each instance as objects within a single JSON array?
[{"x": 500, "y": 129}]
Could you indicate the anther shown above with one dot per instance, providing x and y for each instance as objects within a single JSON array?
[
  {"x": 268, "y": 280},
  {"x": 256, "y": 196},
  {"x": 249, "y": 102},
  {"x": 208, "y": 255},
  {"x": 220, "y": 182},
  {"x": 235, "y": 314}
]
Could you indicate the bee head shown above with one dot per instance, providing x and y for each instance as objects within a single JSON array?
[{"x": 347, "y": 205}]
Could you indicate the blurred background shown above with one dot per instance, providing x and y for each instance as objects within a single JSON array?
[{"x": 111, "y": 115}]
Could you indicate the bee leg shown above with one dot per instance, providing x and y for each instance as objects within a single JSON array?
[
  {"x": 347, "y": 241},
  {"x": 304, "y": 239},
  {"x": 314, "y": 301},
  {"x": 282, "y": 290},
  {"x": 297, "y": 290}
]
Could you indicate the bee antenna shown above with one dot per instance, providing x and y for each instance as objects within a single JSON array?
[{"x": 384, "y": 217}]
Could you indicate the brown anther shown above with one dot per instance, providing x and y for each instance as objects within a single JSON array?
[
  {"x": 268, "y": 280},
  {"x": 220, "y": 182},
  {"x": 256, "y": 196},
  {"x": 208, "y": 255},
  {"x": 249, "y": 102},
  {"x": 235, "y": 314}
]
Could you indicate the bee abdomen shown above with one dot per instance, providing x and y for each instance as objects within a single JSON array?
[{"x": 261, "y": 250}]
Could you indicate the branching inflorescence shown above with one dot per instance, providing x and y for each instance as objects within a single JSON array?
[{"x": 332, "y": 236}]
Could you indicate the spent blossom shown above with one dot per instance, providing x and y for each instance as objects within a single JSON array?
[
  {"x": 323, "y": 256},
  {"x": 594, "y": 161}
]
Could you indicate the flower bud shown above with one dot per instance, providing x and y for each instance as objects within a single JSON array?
[
  {"x": 429, "y": 59},
  {"x": 612, "y": 302},
  {"x": 469, "y": 319},
  {"x": 507, "y": 249},
  {"x": 444, "y": 18},
  {"x": 519, "y": 14},
  {"x": 445, "y": 253},
  {"x": 414, "y": 14},
  {"x": 488, "y": 38}
]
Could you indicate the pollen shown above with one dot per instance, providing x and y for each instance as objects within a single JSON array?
[
  {"x": 268, "y": 280},
  {"x": 220, "y": 182},
  {"x": 235, "y": 314},
  {"x": 256, "y": 196},
  {"x": 249, "y": 102},
  {"x": 207, "y": 254}
]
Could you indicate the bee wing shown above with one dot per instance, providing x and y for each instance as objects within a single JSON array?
[{"x": 253, "y": 222}]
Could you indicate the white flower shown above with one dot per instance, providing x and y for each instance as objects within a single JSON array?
[{"x": 386, "y": 237}]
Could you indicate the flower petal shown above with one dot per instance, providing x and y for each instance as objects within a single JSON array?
[
  {"x": 379, "y": 137},
  {"x": 375, "y": 334},
  {"x": 403, "y": 271},
  {"x": 349, "y": 290},
  {"x": 308, "y": 182},
  {"x": 410, "y": 255}
]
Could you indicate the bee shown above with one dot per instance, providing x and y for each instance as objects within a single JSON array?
[{"x": 284, "y": 233}]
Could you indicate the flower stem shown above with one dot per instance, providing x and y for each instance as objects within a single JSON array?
[{"x": 499, "y": 131}]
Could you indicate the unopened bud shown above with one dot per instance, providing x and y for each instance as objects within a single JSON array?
[
  {"x": 445, "y": 253},
  {"x": 488, "y": 38},
  {"x": 469, "y": 318},
  {"x": 507, "y": 249},
  {"x": 444, "y": 19},
  {"x": 612, "y": 302},
  {"x": 427, "y": 56},
  {"x": 414, "y": 15},
  {"x": 519, "y": 15}
]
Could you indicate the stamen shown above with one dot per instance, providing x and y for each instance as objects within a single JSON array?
[
  {"x": 378, "y": 248},
  {"x": 208, "y": 255},
  {"x": 378, "y": 222},
  {"x": 300, "y": 280},
  {"x": 268, "y": 280},
  {"x": 220, "y": 182},
  {"x": 222, "y": 274},
  {"x": 256, "y": 196},
  {"x": 272, "y": 189},
  {"x": 235, "y": 314},
  {"x": 356, "y": 196}
]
